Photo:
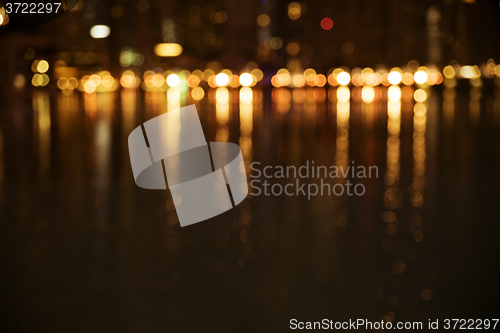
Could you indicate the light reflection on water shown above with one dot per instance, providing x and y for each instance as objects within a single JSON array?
[{"x": 68, "y": 176}]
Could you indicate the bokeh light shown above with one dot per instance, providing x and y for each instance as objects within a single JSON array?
[
  {"x": 42, "y": 66},
  {"x": 420, "y": 77},
  {"x": 420, "y": 95},
  {"x": 197, "y": 93},
  {"x": 263, "y": 20},
  {"x": 294, "y": 10},
  {"x": 222, "y": 79},
  {"x": 395, "y": 77},
  {"x": 168, "y": 49},
  {"x": 368, "y": 94},
  {"x": 326, "y": 23},
  {"x": 343, "y": 78},
  {"x": 394, "y": 93},
  {"x": 173, "y": 80},
  {"x": 100, "y": 31},
  {"x": 449, "y": 72},
  {"x": 246, "y": 79}
]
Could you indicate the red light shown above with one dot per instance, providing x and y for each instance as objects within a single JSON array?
[{"x": 327, "y": 23}]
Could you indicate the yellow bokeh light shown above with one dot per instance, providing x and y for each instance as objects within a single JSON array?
[
  {"x": 4, "y": 18},
  {"x": 43, "y": 66},
  {"x": 394, "y": 93},
  {"x": 234, "y": 81},
  {"x": 320, "y": 80},
  {"x": 63, "y": 83},
  {"x": 420, "y": 77},
  {"x": 449, "y": 72},
  {"x": 19, "y": 81},
  {"x": 73, "y": 83},
  {"x": 432, "y": 78},
  {"x": 407, "y": 79},
  {"x": 309, "y": 72},
  {"x": 294, "y": 10},
  {"x": 470, "y": 72},
  {"x": 211, "y": 82},
  {"x": 420, "y": 95},
  {"x": 197, "y": 93},
  {"x": 283, "y": 77},
  {"x": 128, "y": 79},
  {"x": 37, "y": 80},
  {"x": 193, "y": 81},
  {"x": 343, "y": 78},
  {"x": 168, "y": 49},
  {"x": 275, "y": 81},
  {"x": 257, "y": 73},
  {"x": 368, "y": 94},
  {"x": 34, "y": 66},
  {"x": 263, "y": 20},
  {"x": 357, "y": 79},
  {"x": 207, "y": 74},
  {"x": 96, "y": 79},
  {"x": 246, "y": 79},
  {"x": 246, "y": 95},
  {"x": 372, "y": 79},
  {"x": 293, "y": 48},
  {"x": 89, "y": 87},
  {"x": 298, "y": 80},
  {"x": 222, "y": 95},
  {"x": 343, "y": 94},
  {"x": 45, "y": 80},
  {"x": 394, "y": 77},
  {"x": 157, "y": 80},
  {"x": 222, "y": 79},
  {"x": 173, "y": 80},
  {"x": 100, "y": 31}
]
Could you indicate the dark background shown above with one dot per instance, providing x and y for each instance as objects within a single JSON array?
[{"x": 83, "y": 249}]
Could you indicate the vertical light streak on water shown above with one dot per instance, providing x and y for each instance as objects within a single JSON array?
[
  {"x": 392, "y": 195},
  {"x": 41, "y": 117},
  {"x": 222, "y": 114}
]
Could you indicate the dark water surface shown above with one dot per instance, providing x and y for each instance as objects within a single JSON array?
[{"x": 83, "y": 249}]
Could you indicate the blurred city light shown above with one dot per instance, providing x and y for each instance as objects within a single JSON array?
[
  {"x": 197, "y": 93},
  {"x": 100, "y": 31},
  {"x": 343, "y": 78},
  {"x": 222, "y": 79},
  {"x": 173, "y": 80},
  {"x": 263, "y": 20},
  {"x": 168, "y": 49},
  {"x": 343, "y": 94},
  {"x": 246, "y": 79},
  {"x": 327, "y": 23},
  {"x": 394, "y": 77},
  {"x": 367, "y": 94},
  {"x": 294, "y": 10},
  {"x": 42, "y": 66},
  {"x": 420, "y": 77},
  {"x": 470, "y": 72},
  {"x": 4, "y": 18},
  {"x": 420, "y": 95},
  {"x": 449, "y": 72},
  {"x": 394, "y": 93}
]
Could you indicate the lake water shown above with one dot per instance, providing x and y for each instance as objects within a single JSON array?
[{"x": 83, "y": 249}]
